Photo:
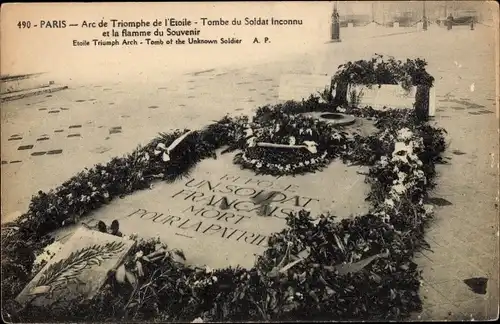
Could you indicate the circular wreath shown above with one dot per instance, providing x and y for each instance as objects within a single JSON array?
[{"x": 289, "y": 144}]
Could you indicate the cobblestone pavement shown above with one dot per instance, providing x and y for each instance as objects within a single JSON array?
[{"x": 90, "y": 124}]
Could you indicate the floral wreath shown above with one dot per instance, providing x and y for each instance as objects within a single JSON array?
[
  {"x": 310, "y": 270},
  {"x": 288, "y": 144}
]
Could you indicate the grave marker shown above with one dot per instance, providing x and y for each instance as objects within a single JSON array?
[
  {"x": 222, "y": 215},
  {"x": 78, "y": 270},
  {"x": 388, "y": 95},
  {"x": 302, "y": 86}
]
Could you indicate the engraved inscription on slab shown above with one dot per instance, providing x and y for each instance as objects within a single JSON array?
[
  {"x": 78, "y": 271},
  {"x": 221, "y": 215},
  {"x": 302, "y": 86}
]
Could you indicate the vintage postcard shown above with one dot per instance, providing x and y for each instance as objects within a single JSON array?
[{"x": 249, "y": 161}]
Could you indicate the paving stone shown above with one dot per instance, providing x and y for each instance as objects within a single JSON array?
[
  {"x": 422, "y": 260},
  {"x": 25, "y": 147},
  {"x": 467, "y": 251},
  {"x": 101, "y": 149},
  {"x": 439, "y": 273},
  {"x": 419, "y": 316},
  {"x": 74, "y": 135},
  {"x": 444, "y": 239},
  {"x": 456, "y": 291},
  {"x": 441, "y": 254},
  {"x": 438, "y": 201},
  {"x": 443, "y": 312},
  {"x": 38, "y": 153},
  {"x": 476, "y": 310},
  {"x": 53, "y": 152},
  {"x": 471, "y": 235},
  {"x": 487, "y": 263},
  {"x": 465, "y": 270},
  {"x": 431, "y": 297}
]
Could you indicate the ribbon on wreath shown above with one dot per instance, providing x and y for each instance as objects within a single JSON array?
[{"x": 163, "y": 149}]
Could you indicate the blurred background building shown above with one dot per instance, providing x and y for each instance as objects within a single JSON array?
[{"x": 408, "y": 13}]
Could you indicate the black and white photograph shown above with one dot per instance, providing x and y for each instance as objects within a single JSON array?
[{"x": 249, "y": 161}]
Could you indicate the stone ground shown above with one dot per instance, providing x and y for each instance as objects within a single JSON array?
[{"x": 91, "y": 123}]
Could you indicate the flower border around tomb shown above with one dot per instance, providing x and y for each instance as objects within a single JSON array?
[{"x": 319, "y": 269}]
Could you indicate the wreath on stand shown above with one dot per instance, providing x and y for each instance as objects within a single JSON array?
[
  {"x": 379, "y": 71},
  {"x": 317, "y": 269}
]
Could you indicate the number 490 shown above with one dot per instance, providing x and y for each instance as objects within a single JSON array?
[{"x": 24, "y": 24}]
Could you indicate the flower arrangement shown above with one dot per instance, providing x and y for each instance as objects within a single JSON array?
[
  {"x": 379, "y": 71},
  {"x": 280, "y": 141},
  {"x": 315, "y": 269}
]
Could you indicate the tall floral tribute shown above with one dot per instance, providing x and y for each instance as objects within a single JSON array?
[
  {"x": 315, "y": 269},
  {"x": 379, "y": 71}
]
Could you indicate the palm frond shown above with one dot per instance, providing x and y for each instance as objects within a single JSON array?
[{"x": 66, "y": 270}]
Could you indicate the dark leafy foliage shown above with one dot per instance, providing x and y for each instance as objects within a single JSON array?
[
  {"x": 378, "y": 71},
  {"x": 280, "y": 127},
  {"x": 315, "y": 269}
]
